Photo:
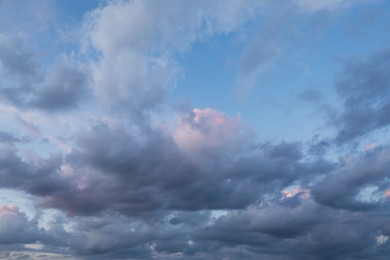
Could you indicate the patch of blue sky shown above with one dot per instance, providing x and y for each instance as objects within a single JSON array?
[
  {"x": 19, "y": 199},
  {"x": 305, "y": 62},
  {"x": 210, "y": 74},
  {"x": 77, "y": 9}
]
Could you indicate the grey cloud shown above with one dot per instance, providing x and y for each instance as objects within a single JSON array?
[
  {"x": 257, "y": 57},
  {"x": 364, "y": 88},
  {"x": 18, "y": 60},
  {"x": 64, "y": 90},
  {"x": 27, "y": 87},
  {"x": 255, "y": 60},
  {"x": 155, "y": 174},
  {"x": 17, "y": 231},
  {"x": 135, "y": 177},
  {"x": 289, "y": 151},
  {"x": 146, "y": 199},
  {"x": 38, "y": 179},
  {"x": 9, "y": 137},
  {"x": 340, "y": 188},
  {"x": 113, "y": 171},
  {"x": 17, "y": 228},
  {"x": 306, "y": 231},
  {"x": 310, "y": 95}
]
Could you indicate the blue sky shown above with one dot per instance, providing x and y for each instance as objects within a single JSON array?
[{"x": 147, "y": 129}]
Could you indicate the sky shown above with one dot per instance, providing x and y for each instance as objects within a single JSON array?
[{"x": 224, "y": 129}]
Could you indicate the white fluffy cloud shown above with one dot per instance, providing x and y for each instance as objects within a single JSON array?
[{"x": 137, "y": 41}]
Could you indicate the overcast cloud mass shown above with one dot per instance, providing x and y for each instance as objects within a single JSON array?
[{"x": 146, "y": 129}]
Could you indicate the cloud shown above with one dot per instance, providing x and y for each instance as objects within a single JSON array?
[
  {"x": 328, "y": 5},
  {"x": 341, "y": 188},
  {"x": 28, "y": 17},
  {"x": 17, "y": 60},
  {"x": 207, "y": 132},
  {"x": 65, "y": 89},
  {"x": 310, "y": 95},
  {"x": 146, "y": 197},
  {"x": 202, "y": 187},
  {"x": 137, "y": 43},
  {"x": 109, "y": 169},
  {"x": 305, "y": 230},
  {"x": 16, "y": 228},
  {"x": 7, "y": 137},
  {"x": 256, "y": 59},
  {"x": 363, "y": 86},
  {"x": 26, "y": 85},
  {"x": 148, "y": 175}
]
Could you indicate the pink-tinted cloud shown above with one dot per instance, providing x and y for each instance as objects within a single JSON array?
[
  {"x": 8, "y": 209},
  {"x": 208, "y": 131},
  {"x": 292, "y": 192}
]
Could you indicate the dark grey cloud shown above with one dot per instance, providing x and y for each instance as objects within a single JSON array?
[
  {"x": 159, "y": 187},
  {"x": 308, "y": 231},
  {"x": 38, "y": 178},
  {"x": 134, "y": 177},
  {"x": 148, "y": 199},
  {"x": 364, "y": 87},
  {"x": 17, "y": 228},
  {"x": 340, "y": 188}
]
